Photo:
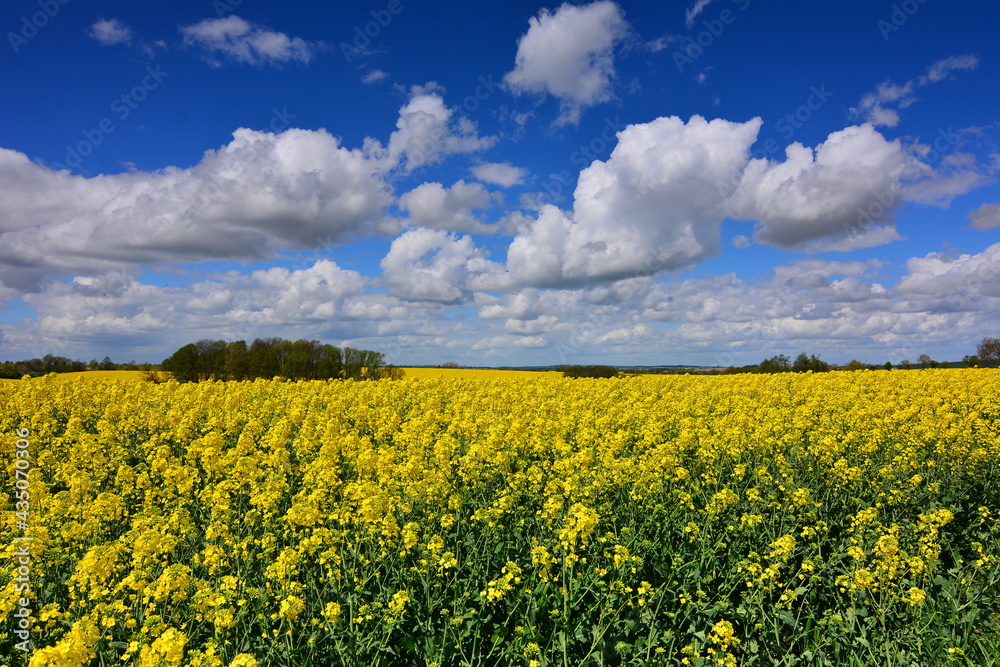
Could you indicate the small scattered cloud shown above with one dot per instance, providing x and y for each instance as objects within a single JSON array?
[
  {"x": 110, "y": 31},
  {"x": 986, "y": 216},
  {"x": 499, "y": 173},
  {"x": 569, "y": 54},
  {"x": 374, "y": 77},
  {"x": 236, "y": 40},
  {"x": 658, "y": 44},
  {"x": 942, "y": 69},
  {"x": 691, "y": 14},
  {"x": 881, "y": 107}
]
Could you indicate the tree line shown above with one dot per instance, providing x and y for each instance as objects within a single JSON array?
[
  {"x": 270, "y": 357},
  {"x": 780, "y": 363},
  {"x": 275, "y": 357},
  {"x": 52, "y": 363},
  {"x": 987, "y": 353},
  {"x": 594, "y": 371}
]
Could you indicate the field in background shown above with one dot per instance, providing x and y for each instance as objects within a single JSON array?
[
  {"x": 95, "y": 375},
  {"x": 480, "y": 373},
  {"x": 411, "y": 373},
  {"x": 828, "y": 519}
]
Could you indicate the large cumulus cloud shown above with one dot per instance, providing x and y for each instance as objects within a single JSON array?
[
  {"x": 260, "y": 192},
  {"x": 658, "y": 202}
]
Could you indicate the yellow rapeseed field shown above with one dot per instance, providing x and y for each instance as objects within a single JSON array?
[
  {"x": 95, "y": 375},
  {"x": 831, "y": 519}
]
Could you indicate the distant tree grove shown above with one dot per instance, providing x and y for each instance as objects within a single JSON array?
[
  {"x": 589, "y": 371},
  {"x": 51, "y": 363},
  {"x": 782, "y": 364},
  {"x": 275, "y": 357}
]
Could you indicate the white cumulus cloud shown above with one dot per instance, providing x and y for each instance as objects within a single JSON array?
[
  {"x": 569, "y": 54},
  {"x": 258, "y": 193},
  {"x": 654, "y": 205},
  {"x": 433, "y": 265},
  {"x": 848, "y": 185},
  {"x": 428, "y": 130},
  {"x": 658, "y": 202},
  {"x": 432, "y": 205}
]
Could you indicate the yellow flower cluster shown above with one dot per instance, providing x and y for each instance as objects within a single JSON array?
[{"x": 175, "y": 524}]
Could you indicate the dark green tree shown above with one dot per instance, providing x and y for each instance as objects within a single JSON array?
[
  {"x": 263, "y": 359},
  {"x": 804, "y": 363},
  {"x": 593, "y": 371},
  {"x": 988, "y": 351},
  {"x": 275, "y": 357},
  {"x": 331, "y": 362},
  {"x": 211, "y": 359},
  {"x": 353, "y": 364},
  {"x": 183, "y": 364},
  {"x": 779, "y": 363},
  {"x": 237, "y": 360}
]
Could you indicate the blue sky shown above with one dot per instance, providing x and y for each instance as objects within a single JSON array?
[{"x": 707, "y": 182}]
